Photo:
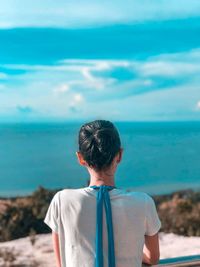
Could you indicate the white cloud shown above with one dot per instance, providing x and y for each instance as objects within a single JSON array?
[
  {"x": 183, "y": 64},
  {"x": 89, "y": 67},
  {"x": 81, "y": 83},
  {"x": 198, "y": 105},
  {"x": 77, "y": 98},
  {"x": 76, "y": 103},
  {"x": 48, "y": 13},
  {"x": 192, "y": 55},
  {"x": 168, "y": 65},
  {"x": 169, "y": 68},
  {"x": 62, "y": 88},
  {"x": 91, "y": 74},
  {"x": 93, "y": 81}
]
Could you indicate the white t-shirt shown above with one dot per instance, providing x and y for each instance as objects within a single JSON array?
[{"x": 72, "y": 214}]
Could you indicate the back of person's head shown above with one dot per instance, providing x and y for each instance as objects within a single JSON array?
[{"x": 99, "y": 142}]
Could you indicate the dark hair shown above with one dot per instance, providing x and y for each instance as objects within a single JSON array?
[{"x": 99, "y": 142}]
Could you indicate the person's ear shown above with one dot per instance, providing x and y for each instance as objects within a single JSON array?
[
  {"x": 80, "y": 159},
  {"x": 120, "y": 155}
]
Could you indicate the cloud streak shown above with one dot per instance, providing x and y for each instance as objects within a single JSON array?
[
  {"x": 117, "y": 42},
  {"x": 198, "y": 106},
  {"x": 105, "y": 79},
  {"x": 69, "y": 14}
]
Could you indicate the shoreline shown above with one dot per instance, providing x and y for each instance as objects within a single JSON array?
[{"x": 4, "y": 195}]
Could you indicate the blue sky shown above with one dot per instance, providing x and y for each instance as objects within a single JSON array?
[{"x": 119, "y": 60}]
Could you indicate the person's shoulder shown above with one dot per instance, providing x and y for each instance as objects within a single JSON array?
[
  {"x": 59, "y": 194},
  {"x": 56, "y": 196},
  {"x": 148, "y": 198},
  {"x": 137, "y": 195},
  {"x": 68, "y": 192}
]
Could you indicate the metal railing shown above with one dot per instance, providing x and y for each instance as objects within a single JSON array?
[{"x": 186, "y": 261}]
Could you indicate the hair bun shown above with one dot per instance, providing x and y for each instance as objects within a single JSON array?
[{"x": 98, "y": 143}]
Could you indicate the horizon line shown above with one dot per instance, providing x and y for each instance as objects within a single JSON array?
[{"x": 85, "y": 120}]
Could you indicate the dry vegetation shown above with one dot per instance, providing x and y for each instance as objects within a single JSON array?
[{"x": 179, "y": 212}]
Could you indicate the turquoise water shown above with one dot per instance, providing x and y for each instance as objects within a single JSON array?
[{"x": 158, "y": 157}]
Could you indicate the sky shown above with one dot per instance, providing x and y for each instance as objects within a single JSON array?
[{"x": 135, "y": 60}]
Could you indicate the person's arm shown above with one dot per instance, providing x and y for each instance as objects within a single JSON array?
[
  {"x": 52, "y": 220},
  {"x": 56, "y": 248},
  {"x": 151, "y": 250}
]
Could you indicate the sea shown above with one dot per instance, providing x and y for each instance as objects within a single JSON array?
[{"x": 158, "y": 157}]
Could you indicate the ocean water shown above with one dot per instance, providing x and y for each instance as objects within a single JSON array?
[{"x": 158, "y": 158}]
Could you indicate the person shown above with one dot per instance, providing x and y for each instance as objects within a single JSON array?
[{"x": 102, "y": 225}]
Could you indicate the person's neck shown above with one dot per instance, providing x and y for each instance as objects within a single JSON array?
[{"x": 101, "y": 180}]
